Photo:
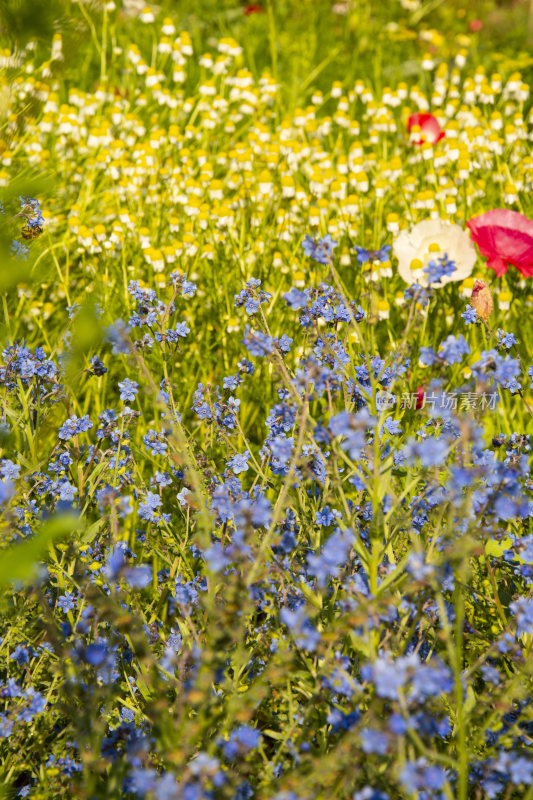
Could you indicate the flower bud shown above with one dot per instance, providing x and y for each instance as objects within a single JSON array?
[{"x": 482, "y": 300}]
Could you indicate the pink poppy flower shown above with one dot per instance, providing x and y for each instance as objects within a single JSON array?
[
  {"x": 430, "y": 130},
  {"x": 504, "y": 237}
]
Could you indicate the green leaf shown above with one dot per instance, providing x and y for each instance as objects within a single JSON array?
[
  {"x": 92, "y": 531},
  {"x": 18, "y": 563},
  {"x": 12, "y": 271},
  {"x": 274, "y": 734}
]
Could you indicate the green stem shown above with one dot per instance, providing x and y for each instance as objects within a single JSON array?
[{"x": 272, "y": 39}]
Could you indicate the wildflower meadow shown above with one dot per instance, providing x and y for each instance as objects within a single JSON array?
[{"x": 266, "y": 380}]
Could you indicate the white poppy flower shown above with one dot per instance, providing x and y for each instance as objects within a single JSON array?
[{"x": 430, "y": 240}]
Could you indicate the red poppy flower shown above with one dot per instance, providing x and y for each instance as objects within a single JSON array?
[
  {"x": 504, "y": 237},
  {"x": 253, "y": 8},
  {"x": 430, "y": 130},
  {"x": 420, "y": 394}
]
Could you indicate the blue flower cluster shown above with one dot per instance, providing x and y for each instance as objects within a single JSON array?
[{"x": 309, "y": 570}]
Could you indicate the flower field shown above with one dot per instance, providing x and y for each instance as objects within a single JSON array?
[{"x": 266, "y": 373}]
